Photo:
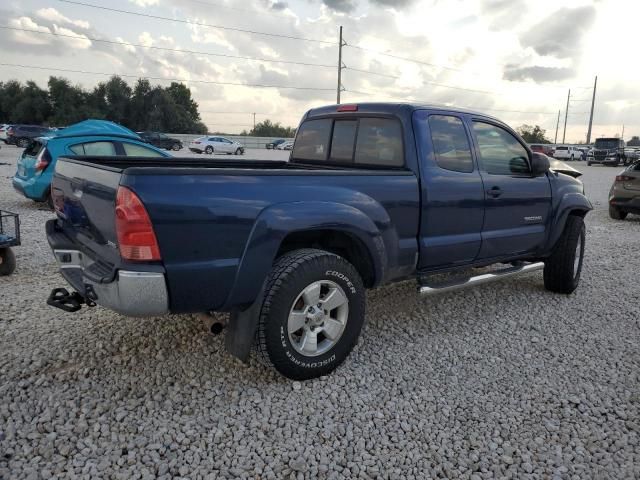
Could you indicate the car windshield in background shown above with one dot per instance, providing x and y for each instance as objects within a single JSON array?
[
  {"x": 562, "y": 148},
  {"x": 363, "y": 141},
  {"x": 602, "y": 143}
]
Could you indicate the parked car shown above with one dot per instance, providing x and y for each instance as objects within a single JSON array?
[
  {"x": 161, "y": 140},
  {"x": 91, "y": 137},
  {"x": 567, "y": 152},
  {"x": 288, "y": 145},
  {"x": 624, "y": 196},
  {"x": 608, "y": 151},
  {"x": 23, "y": 135},
  {"x": 544, "y": 148},
  {"x": 3, "y": 132},
  {"x": 289, "y": 247},
  {"x": 274, "y": 144},
  {"x": 212, "y": 144}
]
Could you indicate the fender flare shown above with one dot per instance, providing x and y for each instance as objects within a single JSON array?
[
  {"x": 570, "y": 202},
  {"x": 277, "y": 221}
]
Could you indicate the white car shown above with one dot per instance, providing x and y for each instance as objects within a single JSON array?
[
  {"x": 288, "y": 145},
  {"x": 3, "y": 132},
  {"x": 567, "y": 152},
  {"x": 213, "y": 144}
]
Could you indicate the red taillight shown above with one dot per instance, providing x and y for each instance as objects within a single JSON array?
[
  {"x": 10, "y": 131},
  {"x": 348, "y": 108},
  {"x": 43, "y": 161},
  {"x": 136, "y": 239},
  {"x": 197, "y": 143},
  {"x": 623, "y": 178}
]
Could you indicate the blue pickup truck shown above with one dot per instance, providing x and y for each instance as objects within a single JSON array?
[{"x": 373, "y": 193}]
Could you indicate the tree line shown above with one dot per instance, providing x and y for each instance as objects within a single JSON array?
[
  {"x": 143, "y": 107},
  {"x": 267, "y": 128}
]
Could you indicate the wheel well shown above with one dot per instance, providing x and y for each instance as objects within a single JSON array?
[
  {"x": 344, "y": 244},
  {"x": 578, "y": 213}
]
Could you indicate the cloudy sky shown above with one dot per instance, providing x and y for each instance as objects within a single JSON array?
[{"x": 515, "y": 59}]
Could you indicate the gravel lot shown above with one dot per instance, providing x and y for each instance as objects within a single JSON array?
[{"x": 504, "y": 381}]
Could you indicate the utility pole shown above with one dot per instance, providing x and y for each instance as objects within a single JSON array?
[
  {"x": 339, "y": 89},
  {"x": 254, "y": 121},
  {"x": 593, "y": 102},
  {"x": 622, "y": 137},
  {"x": 555, "y": 140},
  {"x": 566, "y": 113}
]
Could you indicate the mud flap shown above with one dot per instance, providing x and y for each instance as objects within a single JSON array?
[{"x": 241, "y": 330}]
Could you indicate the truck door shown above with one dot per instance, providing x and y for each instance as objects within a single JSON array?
[
  {"x": 517, "y": 203},
  {"x": 452, "y": 192}
]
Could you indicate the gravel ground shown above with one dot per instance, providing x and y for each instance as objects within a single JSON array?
[{"x": 503, "y": 381}]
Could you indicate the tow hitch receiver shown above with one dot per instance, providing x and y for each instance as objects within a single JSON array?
[{"x": 69, "y": 302}]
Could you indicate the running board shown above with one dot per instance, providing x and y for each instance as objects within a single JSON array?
[{"x": 480, "y": 279}]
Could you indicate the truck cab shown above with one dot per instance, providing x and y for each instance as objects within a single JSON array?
[{"x": 608, "y": 151}]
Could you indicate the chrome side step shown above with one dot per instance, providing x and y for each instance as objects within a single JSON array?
[{"x": 480, "y": 279}]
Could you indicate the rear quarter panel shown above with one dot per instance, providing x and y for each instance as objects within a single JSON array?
[{"x": 220, "y": 230}]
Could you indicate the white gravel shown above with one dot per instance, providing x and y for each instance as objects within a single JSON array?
[{"x": 504, "y": 381}]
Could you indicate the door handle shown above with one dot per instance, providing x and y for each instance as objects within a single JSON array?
[{"x": 494, "y": 192}]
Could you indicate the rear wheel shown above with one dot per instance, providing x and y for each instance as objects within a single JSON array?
[
  {"x": 616, "y": 213},
  {"x": 176, "y": 146},
  {"x": 312, "y": 314},
  {"x": 208, "y": 150},
  {"x": 7, "y": 261},
  {"x": 563, "y": 268}
]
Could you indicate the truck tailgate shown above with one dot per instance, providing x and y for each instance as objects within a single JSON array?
[{"x": 84, "y": 197}]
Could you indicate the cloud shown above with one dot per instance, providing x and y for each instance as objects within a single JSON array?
[
  {"x": 537, "y": 73},
  {"x": 560, "y": 33},
  {"x": 397, "y": 4},
  {"x": 503, "y": 14},
  {"x": 145, "y": 3},
  {"x": 279, "y": 6},
  {"x": 52, "y": 15},
  {"x": 342, "y": 6}
]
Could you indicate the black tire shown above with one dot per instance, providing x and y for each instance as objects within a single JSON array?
[
  {"x": 176, "y": 146},
  {"x": 208, "y": 150},
  {"x": 561, "y": 273},
  {"x": 238, "y": 151},
  {"x": 7, "y": 261},
  {"x": 49, "y": 201},
  {"x": 588, "y": 163},
  {"x": 290, "y": 276},
  {"x": 616, "y": 213}
]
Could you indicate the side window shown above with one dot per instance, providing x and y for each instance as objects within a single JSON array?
[
  {"x": 312, "y": 140},
  {"x": 133, "y": 150},
  {"x": 212, "y": 139},
  {"x": 227, "y": 141},
  {"x": 94, "y": 148},
  {"x": 501, "y": 152},
  {"x": 342, "y": 142},
  {"x": 450, "y": 143},
  {"x": 379, "y": 143}
]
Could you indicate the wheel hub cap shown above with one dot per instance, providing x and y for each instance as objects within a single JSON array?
[{"x": 317, "y": 318}]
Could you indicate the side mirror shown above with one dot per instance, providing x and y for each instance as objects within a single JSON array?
[{"x": 539, "y": 164}]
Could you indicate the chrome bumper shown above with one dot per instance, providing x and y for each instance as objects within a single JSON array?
[{"x": 135, "y": 294}]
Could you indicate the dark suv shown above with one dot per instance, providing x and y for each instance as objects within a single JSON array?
[
  {"x": 161, "y": 140},
  {"x": 23, "y": 135}
]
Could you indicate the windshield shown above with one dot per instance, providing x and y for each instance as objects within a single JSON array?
[{"x": 607, "y": 143}]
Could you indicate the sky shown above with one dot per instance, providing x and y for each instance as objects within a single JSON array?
[{"x": 514, "y": 59}]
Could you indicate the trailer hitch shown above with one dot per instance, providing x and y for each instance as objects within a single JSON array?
[{"x": 69, "y": 302}]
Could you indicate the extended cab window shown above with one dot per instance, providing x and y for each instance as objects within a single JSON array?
[
  {"x": 501, "y": 152},
  {"x": 94, "y": 148},
  {"x": 379, "y": 142},
  {"x": 450, "y": 143},
  {"x": 312, "y": 141}
]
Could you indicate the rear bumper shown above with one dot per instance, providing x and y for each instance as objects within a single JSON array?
[
  {"x": 629, "y": 204},
  {"x": 31, "y": 188},
  {"x": 132, "y": 293}
]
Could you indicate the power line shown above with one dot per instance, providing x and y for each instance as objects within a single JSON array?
[
  {"x": 201, "y": 24},
  {"x": 221, "y": 5},
  {"x": 180, "y": 50},
  {"x": 369, "y": 72},
  {"x": 253, "y": 85}
]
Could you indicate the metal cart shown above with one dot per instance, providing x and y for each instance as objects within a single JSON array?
[{"x": 9, "y": 237}]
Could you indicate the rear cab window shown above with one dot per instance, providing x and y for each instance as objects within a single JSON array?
[{"x": 366, "y": 141}]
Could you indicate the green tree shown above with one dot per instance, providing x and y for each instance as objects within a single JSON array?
[
  {"x": 32, "y": 106},
  {"x": 533, "y": 134},
  {"x": 267, "y": 128},
  {"x": 68, "y": 103},
  {"x": 118, "y": 96}
]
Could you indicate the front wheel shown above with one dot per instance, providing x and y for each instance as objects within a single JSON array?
[
  {"x": 7, "y": 261},
  {"x": 312, "y": 314},
  {"x": 563, "y": 268},
  {"x": 238, "y": 151},
  {"x": 176, "y": 146}
]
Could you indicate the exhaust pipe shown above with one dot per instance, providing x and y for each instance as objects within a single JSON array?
[{"x": 213, "y": 324}]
